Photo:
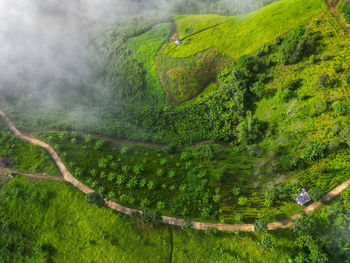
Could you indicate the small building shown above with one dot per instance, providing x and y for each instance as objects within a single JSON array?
[
  {"x": 303, "y": 197},
  {"x": 177, "y": 42}
]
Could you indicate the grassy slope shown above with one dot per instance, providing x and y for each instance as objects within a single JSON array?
[
  {"x": 309, "y": 116},
  {"x": 23, "y": 156},
  {"x": 245, "y": 34},
  {"x": 144, "y": 49},
  {"x": 198, "y": 22},
  {"x": 227, "y": 38},
  {"x": 83, "y": 233}
]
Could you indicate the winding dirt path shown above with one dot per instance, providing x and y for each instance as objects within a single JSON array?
[
  {"x": 165, "y": 219},
  {"x": 7, "y": 171},
  {"x": 332, "y": 5},
  {"x": 140, "y": 143}
]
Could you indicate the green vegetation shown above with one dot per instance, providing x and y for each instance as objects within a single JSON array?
[
  {"x": 245, "y": 34},
  {"x": 144, "y": 48},
  {"x": 44, "y": 220},
  {"x": 344, "y": 8},
  {"x": 23, "y": 156},
  {"x": 54, "y": 223}
]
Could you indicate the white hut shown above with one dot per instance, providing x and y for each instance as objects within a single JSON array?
[{"x": 177, "y": 42}]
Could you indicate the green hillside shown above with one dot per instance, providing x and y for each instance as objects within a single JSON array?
[{"x": 225, "y": 39}]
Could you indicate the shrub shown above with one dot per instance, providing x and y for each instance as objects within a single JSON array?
[
  {"x": 243, "y": 201},
  {"x": 135, "y": 215},
  {"x": 248, "y": 129},
  {"x": 266, "y": 243},
  {"x": 187, "y": 226},
  {"x": 325, "y": 57},
  {"x": 144, "y": 203},
  {"x": 260, "y": 226},
  {"x": 323, "y": 80},
  {"x": 45, "y": 250},
  {"x": 313, "y": 151},
  {"x": 160, "y": 205},
  {"x": 270, "y": 196},
  {"x": 258, "y": 88},
  {"x": 236, "y": 191},
  {"x": 346, "y": 11},
  {"x": 171, "y": 148},
  {"x": 347, "y": 78},
  {"x": 95, "y": 199},
  {"x": 338, "y": 68},
  {"x": 345, "y": 135},
  {"x": 341, "y": 109},
  {"x": 316, "y": 193},
  {"x": 151, "y": 217}
]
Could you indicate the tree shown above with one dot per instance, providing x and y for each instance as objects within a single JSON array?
[
  {"x": 347, "y": 78},
  {"x": 266, "y": 243},
  {"x": 187, "y": 226},
  {"x": 314, "y": 151},
  {"x": 345, "y": 134},
  {"x": 236, "y": 191},
  {"x": 94, "y": 198},
  {"x": 151, "y": 217},
  {"x": 260, "y": 226},
  {"x": 243, "y": 201},
  {"x": 160, "y": 205},
  {"x": 315, "y": 193},
  {"x": 341, "y": 109},
  {"x": 248, "y": 130}
]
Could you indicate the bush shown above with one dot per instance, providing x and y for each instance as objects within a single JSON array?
[
  {"x": 248, "y": 130},
  {"x": 243, "y": 201},
  {"x": 260, "y": 226},
  {"x": 323, "y": 80},
  {"x": 187, "y": 226},
  {"x": 314, "y": 151},
  {"x": 345, "y": 135},
  {"x": 151, "y": 217},
  {"x": 316, "y": 193},
  {"x": 95, "y": 199},
  {"x": 45, "y": 250},
  {"x": 236, "y": 191},
  {"x": 346, "y": 11},
  {"x": 347, "y": 78},
  {"x": 341, "y": 109},
  {"x": 296, "y": 45},
  {"x": 266, "y": 243},
  {"x": 171, "y": 148},
  {"x": 258, "y": 88},
  {"x": 338, "y": 68},
  {"x": 325, "y": 57}
]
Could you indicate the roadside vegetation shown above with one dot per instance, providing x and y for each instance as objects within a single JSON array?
[
  {"x": 245, "y": 114},
  {"x": 23, "y": 156},
  {"x": 56, "y": 224}
]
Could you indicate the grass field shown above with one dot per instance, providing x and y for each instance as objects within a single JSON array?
[
  {"x": 144, "y": 49},
  {"x": 245, "y": 34},
  {"x": 23, "y": 156},
  {"x": 77, "y": 232},
  {"x": 226, "y": 39}
]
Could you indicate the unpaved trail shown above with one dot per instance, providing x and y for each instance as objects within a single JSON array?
[
  {"x": 140, "y": 143},
  {"x": 332, "y": 5},
  {"x": 165, "y": 219},
  {"x": 4, "y": 171}
]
